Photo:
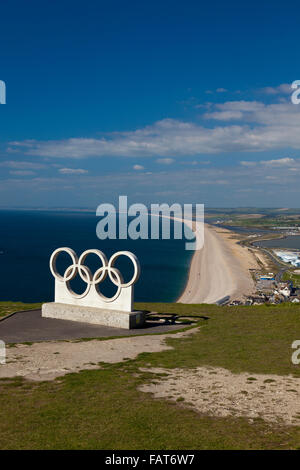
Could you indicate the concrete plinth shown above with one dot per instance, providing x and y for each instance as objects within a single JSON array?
[{"x": 96, "y": 316}]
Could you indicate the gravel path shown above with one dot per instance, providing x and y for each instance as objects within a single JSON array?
[
  {"x": 219, "y": 392},
  {"x": 47, "y": 360}
]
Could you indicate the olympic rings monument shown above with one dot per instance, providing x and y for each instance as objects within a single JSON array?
[{"x": 92, "y": 306}]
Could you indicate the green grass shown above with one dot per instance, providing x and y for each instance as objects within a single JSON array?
[
  {"x": 10, "y": 307},
  {"x": 102, "y": 409},
  {"x": 252, "y": 339},
  {"x": 261, "y": 222}
]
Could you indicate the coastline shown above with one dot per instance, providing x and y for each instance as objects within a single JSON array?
[{"x": 219, "y": 269}]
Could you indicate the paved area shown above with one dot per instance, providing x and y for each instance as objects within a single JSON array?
[{"x": 30, "y": 326}]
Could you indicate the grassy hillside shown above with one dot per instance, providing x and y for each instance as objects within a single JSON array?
[
  {"x": 102, "y": 409},
  {"x": 10, "y": 307}
]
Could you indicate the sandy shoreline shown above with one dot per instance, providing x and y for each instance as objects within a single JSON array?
[{"x": 219, "y": 269}]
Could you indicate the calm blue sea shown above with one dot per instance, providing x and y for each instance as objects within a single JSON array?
[{"x": 27, "y": 239}]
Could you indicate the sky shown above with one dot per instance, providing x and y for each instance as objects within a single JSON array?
[{"x": 162, "y": 101}]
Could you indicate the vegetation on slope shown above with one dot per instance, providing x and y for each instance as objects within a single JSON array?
[{"x": 102, "y": 409}]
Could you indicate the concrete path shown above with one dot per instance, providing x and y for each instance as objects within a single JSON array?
[{"x": 30, "y": 326}]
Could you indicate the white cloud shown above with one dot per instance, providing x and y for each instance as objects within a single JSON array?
[
  {"x": 218, "y": 90},
  {"x": 235, "y": 110},
  {"x": 165, "y": 161},
  {"x": 22, "y": 165},
  {"x": 190, "y": 162},
  {"x": 257, "y": 127},
  {"x": 138, "y": 167},
  {"x": 72, "y": 171},
  {"x": 196, "y": 184},
  {"x": 225, "y": 115},
  {"x": 195, "y": 162},
  {"x": 279, "y": 162},
  {"x": 284, "y": 89}
]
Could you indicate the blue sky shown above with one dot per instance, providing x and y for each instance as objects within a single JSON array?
[{"x": 161, "y": 101}]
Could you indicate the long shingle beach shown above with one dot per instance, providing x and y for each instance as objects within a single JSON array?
[{"x": 219, "y": 269}]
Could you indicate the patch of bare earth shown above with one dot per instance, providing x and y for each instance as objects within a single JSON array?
[
  {"x": 48, "y": 360},
  {"x": 219, "y": 392}
]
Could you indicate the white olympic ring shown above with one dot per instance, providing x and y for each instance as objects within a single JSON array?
[{"x": 84, "y": 272}]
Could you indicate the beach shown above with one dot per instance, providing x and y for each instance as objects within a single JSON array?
[{"x": 219, "y": 269}]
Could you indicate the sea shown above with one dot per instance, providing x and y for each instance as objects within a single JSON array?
[{"x": 28, "y": 237}]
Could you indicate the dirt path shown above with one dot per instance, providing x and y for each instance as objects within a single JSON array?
[
  {"x": 47, "y": 360},
  {"x": 219, "y": 392}
]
